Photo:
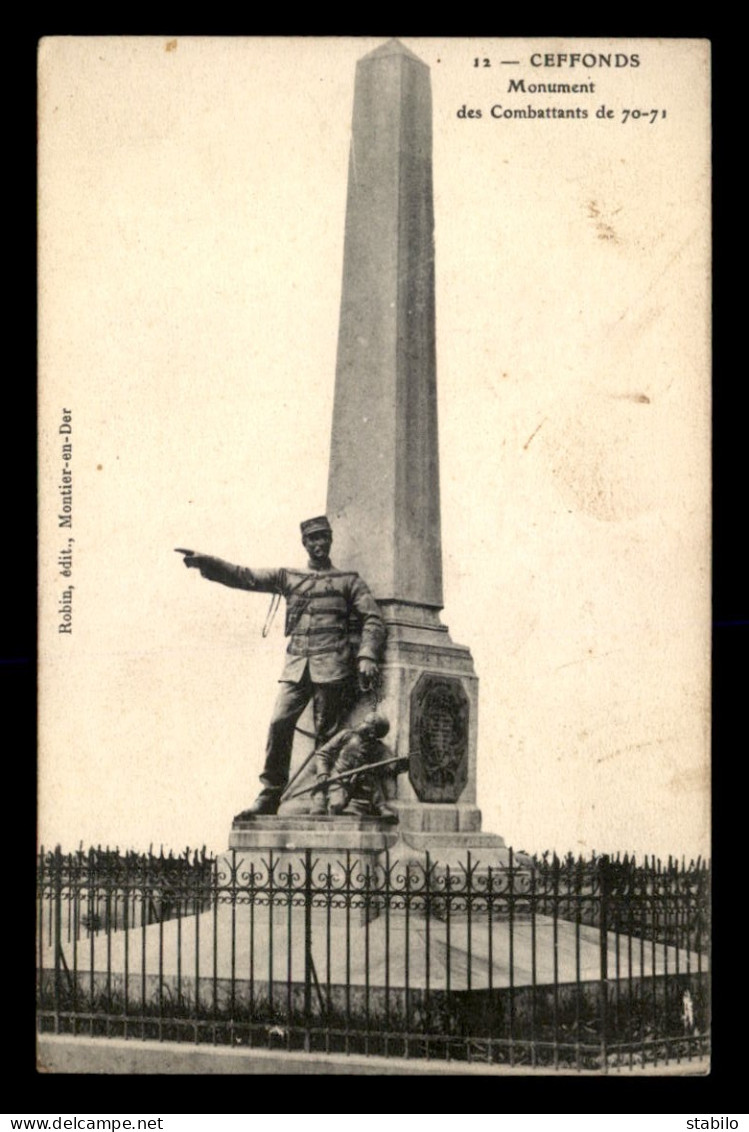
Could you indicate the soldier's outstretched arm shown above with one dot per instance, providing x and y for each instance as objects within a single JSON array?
[{"x": 239, "y": 577}]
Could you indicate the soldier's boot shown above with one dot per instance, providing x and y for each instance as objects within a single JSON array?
[
  {"x": 319, "y": 806},
  {"x": 338, "y": 799},
  {"x": 267, "y": 802}
]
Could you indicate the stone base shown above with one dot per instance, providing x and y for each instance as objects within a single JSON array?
[
  {"x": 349, "y": 838},
  {"x": 487, "y": 850},
  {"x": 446, "y": 833},
  {"x": 333, "y": 840},
  {"x": 219, "y": 947},
  {"x": 438, "y": 817},
  {"x": 419, "y": 648}
]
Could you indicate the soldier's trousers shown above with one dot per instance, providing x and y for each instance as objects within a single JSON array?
[{"x": 329, "y": 701}]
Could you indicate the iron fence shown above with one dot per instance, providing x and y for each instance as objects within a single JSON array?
[{"x": 593, "y": 964}]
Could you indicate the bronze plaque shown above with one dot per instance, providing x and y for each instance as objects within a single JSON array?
[{"x": 438, "y": 766}]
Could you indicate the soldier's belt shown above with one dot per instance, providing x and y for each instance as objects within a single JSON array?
[
  {"x": 335, "y": 629},
  {"x": 300, "y": 649},
  {"x": 327, "y": 603}
]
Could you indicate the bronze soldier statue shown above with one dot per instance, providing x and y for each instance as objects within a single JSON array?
[
  {"x": 350, "y": 749},
  {"x": 335, "y": 632}
]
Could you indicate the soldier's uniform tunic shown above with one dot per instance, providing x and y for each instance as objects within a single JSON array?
[{"x": 332, "y": 620}]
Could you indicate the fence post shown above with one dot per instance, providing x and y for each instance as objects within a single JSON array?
[
  {"x": 604, "y": 889},
  {"x": 57, "y": 930},
  {"x": 307, "y": 947}
]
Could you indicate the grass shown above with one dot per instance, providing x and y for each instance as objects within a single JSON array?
[{"x": 463, "y": 1027}]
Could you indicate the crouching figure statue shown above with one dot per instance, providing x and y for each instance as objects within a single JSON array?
[{"x": 339, "y": 787}]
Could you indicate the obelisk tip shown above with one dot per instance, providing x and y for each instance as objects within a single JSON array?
[{"x": 392, "y": 47}]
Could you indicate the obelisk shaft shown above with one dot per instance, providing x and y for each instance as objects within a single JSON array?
[{"x": 383, "y": 488}]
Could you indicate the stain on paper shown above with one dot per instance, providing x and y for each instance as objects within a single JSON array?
[
  {"x": 536, "y": 429},
  {"x": 637, "y": 398},
  {"x": 604, "y": 229},
  {"x": 696, "y": 778}
]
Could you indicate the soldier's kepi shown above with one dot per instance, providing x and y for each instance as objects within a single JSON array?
[{"x": 336, "y": 639}]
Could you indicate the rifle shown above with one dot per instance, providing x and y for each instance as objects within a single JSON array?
[
  {"x": 285, "y": 796},
  {"x": 402, "y": 765}
]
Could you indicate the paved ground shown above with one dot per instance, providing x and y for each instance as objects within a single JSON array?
[{"x": 62, "y": 1054}]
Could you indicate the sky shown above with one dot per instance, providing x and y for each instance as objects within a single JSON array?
[{"x": 191, "y": 217}]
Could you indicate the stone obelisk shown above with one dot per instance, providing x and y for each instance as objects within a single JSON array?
[
  {"x": 384, "y": 474},
  {"x": 383, "y": 487}
]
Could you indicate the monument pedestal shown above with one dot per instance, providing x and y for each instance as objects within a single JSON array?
[
  {"x": 332, "y": 839},
  {"x": 430, "y": 696}
]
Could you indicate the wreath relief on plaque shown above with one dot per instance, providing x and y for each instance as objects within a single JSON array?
[{"x": 439, "y": 739}]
